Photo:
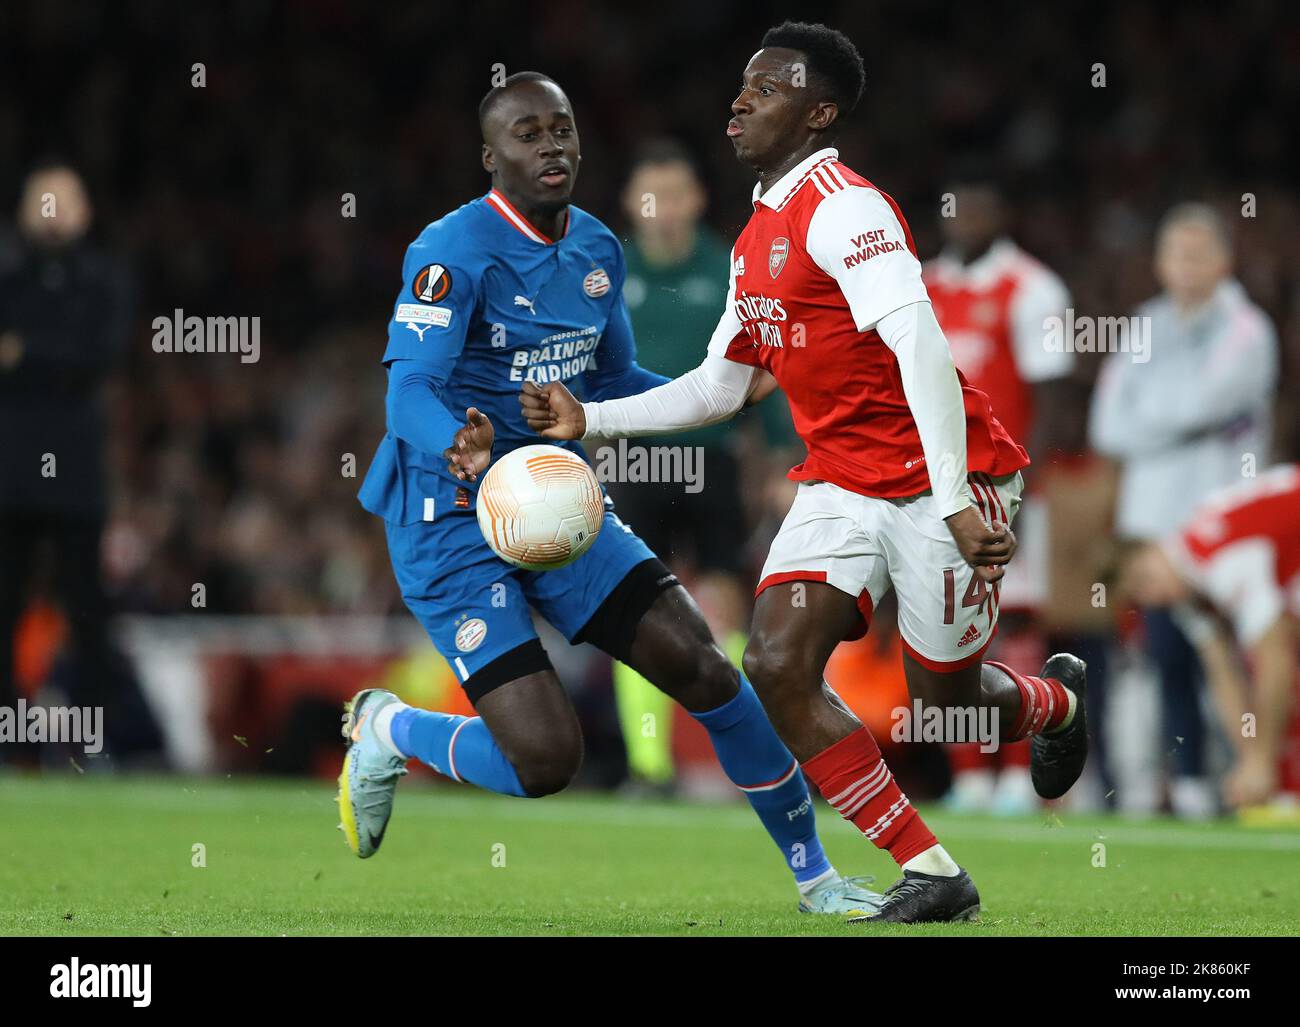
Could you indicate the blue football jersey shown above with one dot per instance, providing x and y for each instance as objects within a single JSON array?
[{"x": 488, "y": 303}]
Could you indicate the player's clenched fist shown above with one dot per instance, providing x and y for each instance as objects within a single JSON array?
[
  {"x": 471, "y": 447},
  {"x": 552, "y": 411},
  {"x": 984, "y": 548}
]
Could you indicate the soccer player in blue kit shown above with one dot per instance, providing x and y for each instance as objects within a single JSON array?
[{"x": 519, "y": 285}]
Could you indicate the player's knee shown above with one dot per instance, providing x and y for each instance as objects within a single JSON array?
[
  {"x": 551, "y": 771},
  {"x": 712, "y": 682},
  {"x": 545, "y": 777},
  {"x": 771, "y": 663}
]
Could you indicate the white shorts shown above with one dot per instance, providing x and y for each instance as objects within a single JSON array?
[{"x": 863, "y": 545}]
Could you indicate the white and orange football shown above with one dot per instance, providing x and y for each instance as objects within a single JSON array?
[{"x": 540, "y": 507}]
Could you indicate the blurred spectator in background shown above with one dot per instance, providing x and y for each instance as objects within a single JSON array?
[
  {"x": 1240, "y": 552},
  {"x": 676, "y": 287},
  {"x": 993, "y": 301},
  {"x": 64, "y": 312},
  {"x": 1193, "y": 418}
]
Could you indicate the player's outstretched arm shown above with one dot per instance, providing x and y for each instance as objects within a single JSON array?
[{"x": 712, "y": 392}]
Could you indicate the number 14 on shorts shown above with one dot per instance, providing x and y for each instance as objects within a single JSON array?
[{"x": 978, "y": 593}]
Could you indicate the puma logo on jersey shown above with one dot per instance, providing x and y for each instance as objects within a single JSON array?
[
  {"x": 417, "y": 329},
  {"x": 524, "y": 301}
]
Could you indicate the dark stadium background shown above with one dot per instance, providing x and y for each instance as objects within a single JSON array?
[{"x": 225, "y": 200}]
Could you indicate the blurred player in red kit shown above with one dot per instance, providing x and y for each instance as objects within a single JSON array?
[
  {"x": 1239, "y": 554},
  {"x": 910, "y": 482},
  {"x": 993, "y": 301}
]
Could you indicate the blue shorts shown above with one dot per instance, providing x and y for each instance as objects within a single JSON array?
[{"x": 475, "y": 606}]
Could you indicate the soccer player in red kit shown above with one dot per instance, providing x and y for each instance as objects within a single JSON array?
[
  {"x": 910, "y": 482},
  {"x": 1239, "y": 553}
]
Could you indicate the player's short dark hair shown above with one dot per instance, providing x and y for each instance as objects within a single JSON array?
[
  {"x": 833, "y": 61},
  {"x": 496, "y": 93},
  {"x": 663, "y": 150}
]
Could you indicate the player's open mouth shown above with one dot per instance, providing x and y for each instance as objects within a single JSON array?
[
  {"x": 734, "y": 128},
  {"x": 554, "y": 176}
]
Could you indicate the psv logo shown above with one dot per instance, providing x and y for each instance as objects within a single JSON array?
[
  {"x": 776, "y": 256},
  {"x": 470, "y": 634},
  {"x": 596, "y": 284}
]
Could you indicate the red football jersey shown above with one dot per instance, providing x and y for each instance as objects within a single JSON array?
[
  {"x": 993, "y": 312},
  {"x": 823, "y": 258},
  {"x": 1241, "y": 549}
]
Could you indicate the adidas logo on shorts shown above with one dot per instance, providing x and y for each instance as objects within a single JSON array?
[{"x": 972, "y": 633}]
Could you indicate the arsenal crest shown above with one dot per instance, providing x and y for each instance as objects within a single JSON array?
[{"x": 776, "y": 258}]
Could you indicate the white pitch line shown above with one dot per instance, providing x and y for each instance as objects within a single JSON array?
[
  {"x": 195, "y": 796},
  {"x": 692, "y": 817}
]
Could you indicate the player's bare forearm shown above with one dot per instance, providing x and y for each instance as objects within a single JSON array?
[
  {"x": 1273, "y": 658},
  {"x": 1254, "y": 778},
  {"x": 552, "y": 411},
  {"x": 1223, "y": 673}
]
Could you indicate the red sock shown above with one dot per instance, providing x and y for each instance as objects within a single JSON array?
[
  {"x": 854, "y": 779},
  {"x": 1044, "y": 703}
]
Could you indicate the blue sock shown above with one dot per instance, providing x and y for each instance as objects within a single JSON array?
[
  {"x": 459, "y": 747},
  {"x": 760, "y": 765}
]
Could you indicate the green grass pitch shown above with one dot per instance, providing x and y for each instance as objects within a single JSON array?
[{"x": 98, "y": 855}]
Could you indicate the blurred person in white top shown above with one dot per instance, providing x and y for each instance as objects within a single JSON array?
[{"x": 1193, "y": 418}]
